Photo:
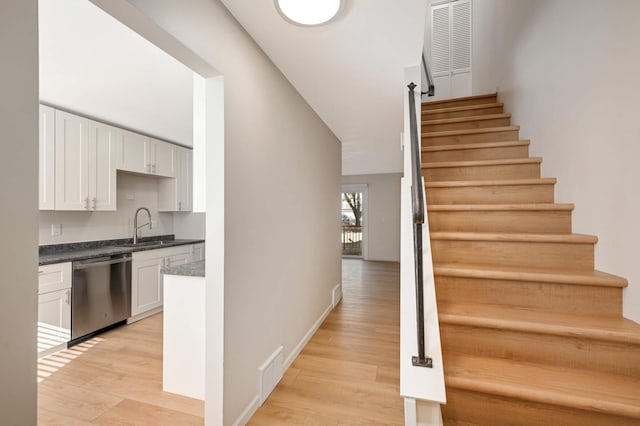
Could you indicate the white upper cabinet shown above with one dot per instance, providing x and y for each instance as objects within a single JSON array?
[
  {"x": 103, "y": 140},
  {"x": 162, "y": 158},
  {"x": 78, "y": 159},
  {"x": 185, "y": 181},
  {"x": 72, "y": 165},
  {"x": 132, "y": 153},
  {"x": 142, "y": 154},
  {"x": 47, "y": 159},
  {"x": 85, "y": 173},
  {"x": 177, "y": 194}
]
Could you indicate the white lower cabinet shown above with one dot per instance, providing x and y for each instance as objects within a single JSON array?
[
  {"x": 146, "y": 276},
  {"x": 54, "y": 307},
  {"x": 197, "y": 252}
]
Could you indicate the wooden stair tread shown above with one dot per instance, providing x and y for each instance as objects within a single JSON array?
[
  {"x": 504, "y": 182},
  {"x": 470, "y": 131},
  {"x": 465, "y": 98},
  {"x": 478, "y": 145},
  {"x": 500, "y": 207},
  {"x": 507, "y": 161},
  {"x": 465, "y": 119},
  {"x": 515, "y": 237},
  {"x": 502, "y": 317},
  {"x": 579, "y": 389},
  {"x": 514, "y": 273}
]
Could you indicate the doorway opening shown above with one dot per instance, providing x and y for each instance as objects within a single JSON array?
[{"x": 353, "y": 219}]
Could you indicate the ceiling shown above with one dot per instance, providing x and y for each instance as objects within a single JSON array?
[
  {"x": 94, "y": 65},
  {"x": 351, "y": 70}
]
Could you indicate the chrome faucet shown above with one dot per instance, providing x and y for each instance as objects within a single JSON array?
[{"x": 135, "y": 223}]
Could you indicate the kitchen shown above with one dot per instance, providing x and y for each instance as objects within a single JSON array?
[{"x": 116, "y": 183}]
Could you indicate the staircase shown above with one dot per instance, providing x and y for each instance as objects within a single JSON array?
[{"x": 531, "y": 333}]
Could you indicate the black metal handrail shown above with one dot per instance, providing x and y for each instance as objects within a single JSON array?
[
  {"x": 431, "y": 88},
  {"x": 418, "y": 207}
]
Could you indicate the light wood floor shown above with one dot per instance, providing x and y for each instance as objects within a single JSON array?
[
  {"x": 114, "y": 379},
  {"x": 349, "y": 373}
]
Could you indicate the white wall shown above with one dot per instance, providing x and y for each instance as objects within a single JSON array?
[
  {"x": 349, "y": 70},
  {"x": 383, "y": 214},
  {"x": 108, "y": 225},
  {"x": 568, "y": 71},
  {"x": 279, "y": 159},
  {"x": 189, "y": 225},
  {"x": 18, "y": 215},
  {"x": 94, "y": 65}
]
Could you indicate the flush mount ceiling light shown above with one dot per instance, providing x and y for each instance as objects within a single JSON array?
[{"x": 308, "y": 12}]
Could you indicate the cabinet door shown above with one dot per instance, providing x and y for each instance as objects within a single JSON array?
[
  {"x": 54, "y": 277},
  {"x": 146, "y": 284},
  {"x": 175, "y": 194},
  {"x": 178, "y": 259},
  {"x": 133, "y": 152},
  {"x": 163, "y": 158},
  {"x": 46, "y": 178},
  {"x": 71, "y": 162},
  {"x": 197, "y": 252},
  {"x": 103, "y": 140},
  {"x": 185, "y": 181},
  {"x": 54, "y": 319}
]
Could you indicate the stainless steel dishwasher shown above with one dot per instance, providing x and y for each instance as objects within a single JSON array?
[{"x": 100, "y": 295}]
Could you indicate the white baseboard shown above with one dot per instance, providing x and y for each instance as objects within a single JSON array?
[
  {"x": 145, "y": 314},
  {"x": 248, "y": 412},
  {"x": 253, "y": 406},
  {"x": 298, "y": 348}
]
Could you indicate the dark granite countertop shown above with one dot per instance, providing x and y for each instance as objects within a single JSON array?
[
  {"x": 193, "y": 269},
  {"x": 58, "y": 253}
]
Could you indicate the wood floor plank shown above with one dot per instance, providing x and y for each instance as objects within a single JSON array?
[
  {"x": 132, "y": 413},
  {"x": 349, "y": 372},
  {"x": 115, "y": 378}
]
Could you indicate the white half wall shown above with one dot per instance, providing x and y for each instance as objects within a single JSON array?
[
  {"x": 19, "y": 213},
  {"x": 383, "y": 215},
  {"x": 568, "y": 71},
  {"x": 281, "y": 197}
]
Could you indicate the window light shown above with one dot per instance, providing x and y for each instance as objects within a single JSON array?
[{"x": 308, "y": 12}]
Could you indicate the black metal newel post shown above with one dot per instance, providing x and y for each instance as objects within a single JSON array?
[{"x": 417, "y": 201}]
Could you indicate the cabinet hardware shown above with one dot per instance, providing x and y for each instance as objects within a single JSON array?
[
  {"x": 40, "y": 271},
  {"x": 86, "y": 203},
  {"x": 68, "y": 300},
  {"x": 179, "y": 205},
  {"x": 95, "y": 202}
]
